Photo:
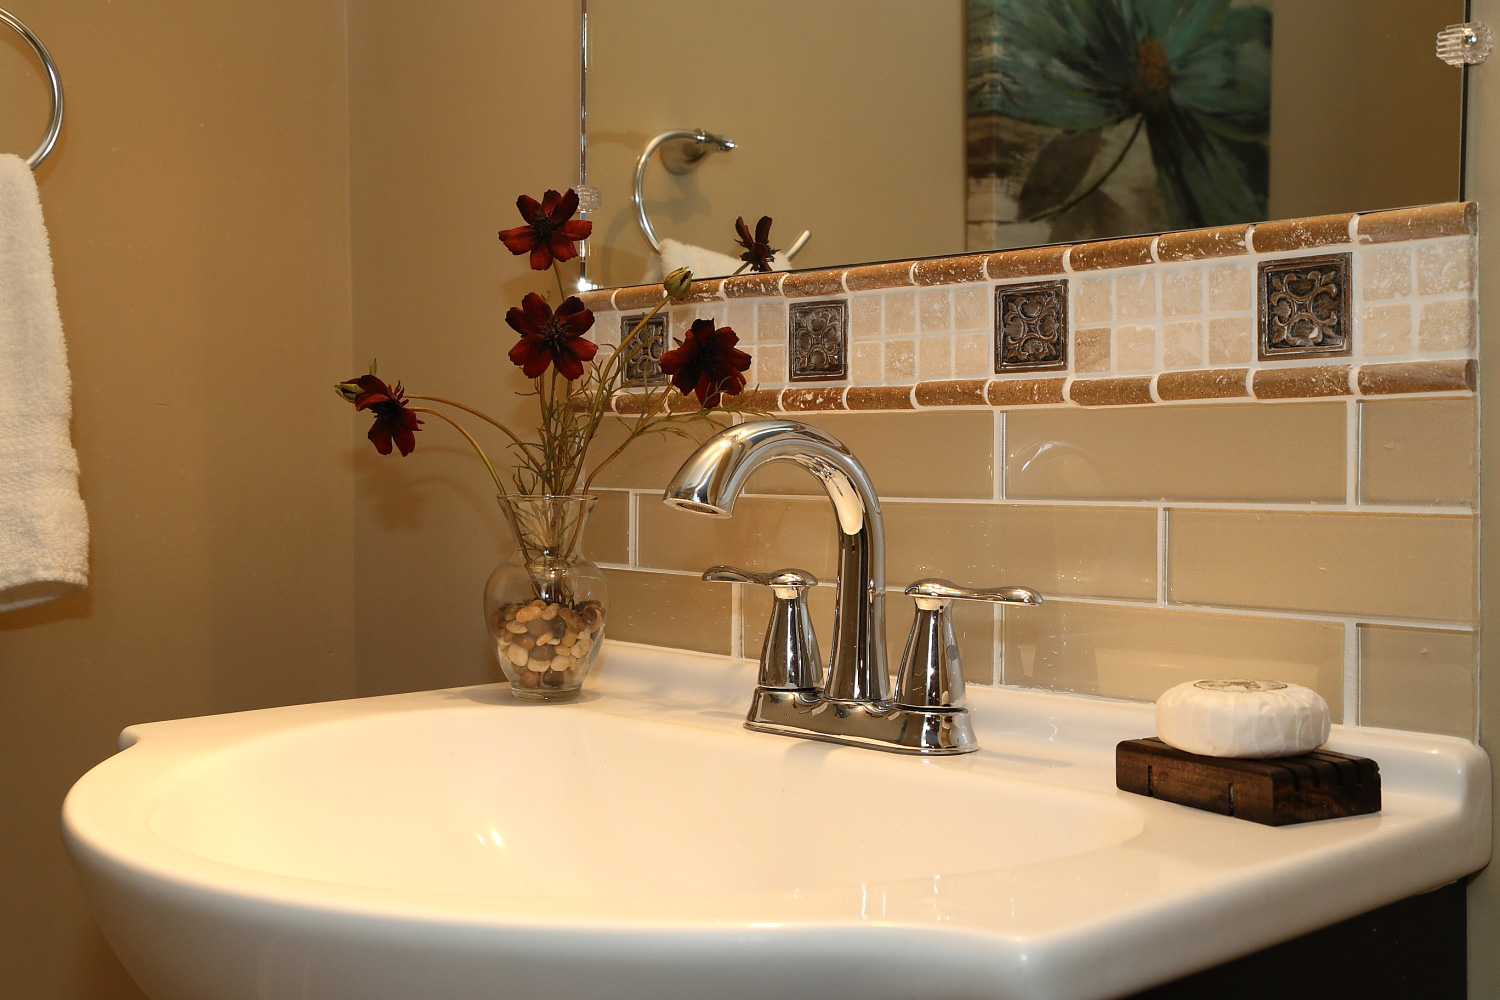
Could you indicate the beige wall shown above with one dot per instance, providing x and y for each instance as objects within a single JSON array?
[
  {"x": 197, "y": 207},
  {"x": 849, "y": 115},
  {"x": 434, "y": 178}
]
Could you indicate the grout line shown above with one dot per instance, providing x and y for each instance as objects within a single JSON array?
[
  {"x": 1145, "y": 605},
  {"x": 997, "y": 658},
  {"x": 999, "y": 446},
  {"x": 1161, "y": 556},
  {"x": 1297, "y": 508},
  {"x": 1351, "y": 674},
  {"x": 737, "y": 620},
  {"x": 1352, "y": 453},
  {"x": 633, "y": 542}
]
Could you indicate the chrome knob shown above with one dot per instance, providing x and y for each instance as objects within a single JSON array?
[
  {"x": 932, "y": 674},
  {"x": 789, "y": 657}
]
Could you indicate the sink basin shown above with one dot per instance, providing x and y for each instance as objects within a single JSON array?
[{"x": 640, "y": 843}]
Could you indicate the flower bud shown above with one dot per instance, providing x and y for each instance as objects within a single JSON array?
[
  {"x": 347, "y": 391},
  {"x": 678, "y": 284}
]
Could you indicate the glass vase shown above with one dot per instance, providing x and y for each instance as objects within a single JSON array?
[{"x": 547, "y": 606}]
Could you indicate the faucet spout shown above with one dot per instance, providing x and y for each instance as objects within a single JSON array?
[{"x": 711, "y": 480}]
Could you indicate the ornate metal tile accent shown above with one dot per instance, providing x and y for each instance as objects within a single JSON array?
[
  {"x": 1304, "y": 307},
  {"x": 818, "y": 340},
  {"x": 643, "y": 358},
  {"x": 1031, "y": 327}
]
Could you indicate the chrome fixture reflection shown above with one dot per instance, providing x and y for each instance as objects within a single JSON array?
[
  {"x": 54, "y": 87},
  {"x": 855, "y": 705},
  {"x": 681, "y": 151}
]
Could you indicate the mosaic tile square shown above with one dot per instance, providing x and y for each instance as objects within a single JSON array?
[
  {"x": 1031, "y": 327},
  {"x": 1305, "y": 307}
]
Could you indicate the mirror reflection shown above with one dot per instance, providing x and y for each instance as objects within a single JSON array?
[{"x": 891, "y": 129}]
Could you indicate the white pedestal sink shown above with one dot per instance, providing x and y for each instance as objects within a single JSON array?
[{"x": 455, "y": 845}]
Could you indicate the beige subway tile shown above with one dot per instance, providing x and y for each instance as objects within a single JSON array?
[
  {"x": 1387, "y": 273},
  {"x": 935, "y": 310},
  {"x": 971, "y": 307},
  {"x": 1182, "y": 291},
  {"x": 1445, "y": 267},
  {"x": 973, "y": 627},
  {"x": 1291, "y": 453},
  {"x": 1093, "y": 300},
  {"x": 900, "y": 313},
  {"x": 864, "y": 316},
  {"x": 935, "y": 357},
  {"x": 1418, "y": 679},
  {"x": 1135, "y": 296},
  {"x": 930, "y": 453},
  {"x": 1182, "y": 344},
  {"x": 1418, "y": 451},
  {"x": 763, "y": 534},
  {"x": 1424, "y": 222},
  {"x": 1091, "y": 350},
  {"x": 770, "y": 322},
  {"x": 971, "y": 355},
  {"x": 1077, "y": 551},
  {"x": 1135, "y": 348},
  {"x": 1386, "y": 329},
  {"x": 1137, "y": 653},
  {"x": 606, "y": 538},
  {"x": 1229, "y": 287},
  {"x": 1414, "y": 566},
  {"x": 1231, "y": 340},
  {"x": 1446, "y": 326},
  {"x": 649, "y": 463},
  {"x": 665, "y": 610},
  {"x": 867, "y": 362},
  {"x": 900, "y": 359}
]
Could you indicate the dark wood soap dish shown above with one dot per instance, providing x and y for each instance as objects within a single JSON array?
[{"x": 1277, "y": 791}]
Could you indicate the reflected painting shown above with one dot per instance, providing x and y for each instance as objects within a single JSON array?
[{"x": 1091, "y": 118}]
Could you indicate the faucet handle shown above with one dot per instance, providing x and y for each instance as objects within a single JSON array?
[
  {"x": 789, "y": 657},
  {"x": 933, "y": 589},
  {"x": 932, "y": 676}
]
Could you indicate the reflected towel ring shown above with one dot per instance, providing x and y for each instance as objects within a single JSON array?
[
  {"x": 681, "y": 151},
  {"x": 53, "y": 80}
]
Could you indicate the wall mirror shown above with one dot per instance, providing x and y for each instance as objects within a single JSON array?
[{"x": 894, "y": 129}]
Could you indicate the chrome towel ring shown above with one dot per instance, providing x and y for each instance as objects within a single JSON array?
[{"x": 53, "y": 81}]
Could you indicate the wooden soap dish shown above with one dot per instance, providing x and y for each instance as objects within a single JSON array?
[{"x": 1318, "y": 785}]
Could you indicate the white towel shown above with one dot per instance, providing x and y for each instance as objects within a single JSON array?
[
  {"x": 703, "y": 263},
  {"x": 44, "y": 531}
]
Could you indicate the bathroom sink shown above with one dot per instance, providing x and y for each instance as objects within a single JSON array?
[{"x": 640, "y": 843}]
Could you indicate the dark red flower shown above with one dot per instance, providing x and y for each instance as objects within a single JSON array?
[
  {"x": 549, "y": 338},
  {"x": 393, "y": 421},
  {"x": 550, "y": 230},
  {"x": 706, "y": 363},
  {"x": 758, "y": 249}
]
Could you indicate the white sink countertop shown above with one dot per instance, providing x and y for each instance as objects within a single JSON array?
[{"x": 639, "y": 843}]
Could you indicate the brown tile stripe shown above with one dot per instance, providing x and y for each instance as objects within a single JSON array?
[
  {"x": 1196, "y": 244},
  {"x": 597, "y": 299},
  {"x": 705, "y": 290},
  {"x": 765, "y": 400},
  {"x": 1427, "y": 222},
  {"x": 799, "y": 284},
  {"x": 1299, "y": 234},
  {"x": 948, "y": 270},
  {"x": 1110, "y": 253},
  {"x": 1026, "y": 391},
  {"x": 879, "y": 397},
  {"x": 1302, "y": 383},
  {"x": 829, "y": 397},
  {"x": 952, "y": 392},
  {"x": 1209, "y": 383},
  {"x": 637, "y": 297},
  {"x": 871, "y": 276},
  {"x": 1130, "y": 391},
  {"x": 1029, "y": 263},
  {"x": 745, "y": 286},
  {"x": 1417, "y": 376}
]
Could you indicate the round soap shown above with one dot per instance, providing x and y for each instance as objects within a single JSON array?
[{"x": 1241, "y": 718}]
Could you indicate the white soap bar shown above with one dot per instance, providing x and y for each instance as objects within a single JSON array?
[{"x": 1239, "y": 718}]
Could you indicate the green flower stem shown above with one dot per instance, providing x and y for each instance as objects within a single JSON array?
[
  {"x": 472, "y": 443},
  {"x": 482, "y": 416},
  {"x": 605, "y": 387}
]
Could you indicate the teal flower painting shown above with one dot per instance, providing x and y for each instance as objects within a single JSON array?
[{"x": 1092, "y": 118}]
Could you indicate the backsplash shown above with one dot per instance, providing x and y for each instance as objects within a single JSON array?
[{"x": 1240, "y": 451}]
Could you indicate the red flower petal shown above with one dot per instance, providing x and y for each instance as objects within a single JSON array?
[
  {"x": 531, "y": 354},
  {"x": 550, "y": 201},
  {"x": 577, "y": 229},
  {"x": 522, "y": 239},
  {"x": 560, "y": 246},
  {"x": 530, "y": 210}
]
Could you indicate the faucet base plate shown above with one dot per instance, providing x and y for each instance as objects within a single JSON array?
[{"x": 875, "y": 726}]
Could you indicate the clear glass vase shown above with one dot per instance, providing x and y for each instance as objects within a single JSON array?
[{"x": 547, "y": 606}]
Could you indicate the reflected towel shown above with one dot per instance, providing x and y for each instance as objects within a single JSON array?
[
  {"x": 44, "y": 531},
  {"x": 703, "y": 263}
]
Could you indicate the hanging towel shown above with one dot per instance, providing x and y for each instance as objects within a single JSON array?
[
  {"x": 44, "y": 531},
  {"x": 703, "y": 263}
]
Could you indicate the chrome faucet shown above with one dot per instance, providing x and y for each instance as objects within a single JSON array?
[{"x": 855, "y": 705}]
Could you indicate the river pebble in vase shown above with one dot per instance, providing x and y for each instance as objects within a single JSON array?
[{"x": 545, "y": 647}]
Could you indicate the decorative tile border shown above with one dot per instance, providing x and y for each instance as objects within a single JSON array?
[{"x": 1234, "y": 312}]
